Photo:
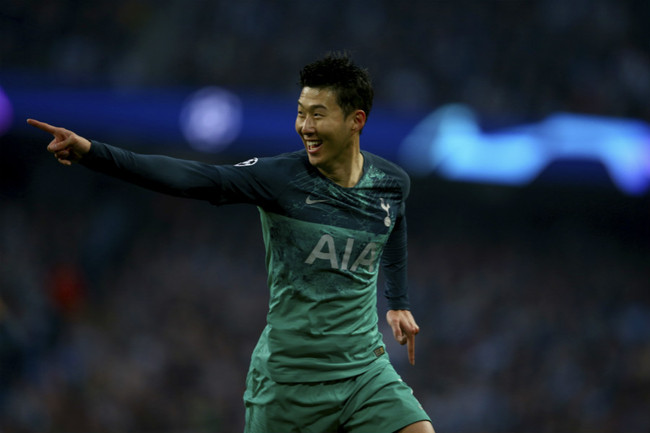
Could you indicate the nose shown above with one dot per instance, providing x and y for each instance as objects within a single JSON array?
[{"x": 307, "y": 125}]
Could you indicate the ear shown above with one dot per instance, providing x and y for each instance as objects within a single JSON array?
[{"x": 358, "y": 120}]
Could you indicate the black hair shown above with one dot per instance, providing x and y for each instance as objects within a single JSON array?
[{"x": 351, "y": 83}]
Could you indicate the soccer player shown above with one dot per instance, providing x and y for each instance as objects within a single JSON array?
[{"x": 331, "y": 216}]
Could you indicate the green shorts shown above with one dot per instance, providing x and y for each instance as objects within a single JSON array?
[{"x": 377, "y": 401}]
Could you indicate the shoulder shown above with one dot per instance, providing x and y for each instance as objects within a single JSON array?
[
  {"x": 390, "y": 169},
  {"x": 286, "y": 163},
  {"x": 285, "y": 160}
]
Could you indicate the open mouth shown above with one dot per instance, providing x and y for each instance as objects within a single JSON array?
[{"x": 313, "y": 145}]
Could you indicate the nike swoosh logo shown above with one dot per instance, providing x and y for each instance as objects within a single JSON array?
[{"x": 310, "y": 200}]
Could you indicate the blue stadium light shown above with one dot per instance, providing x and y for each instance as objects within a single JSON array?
[
  {"x": 211, "y": 119},
  {"x": 6, "y": 112},
  {"x": 450, "y": 142}
]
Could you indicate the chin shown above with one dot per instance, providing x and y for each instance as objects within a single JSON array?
[{"x": 313, "y": 160}]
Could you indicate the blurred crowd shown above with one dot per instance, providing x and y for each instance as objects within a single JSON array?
[
  {"x": 523, "y": 58},
  {"x": 124, "y": 310}
]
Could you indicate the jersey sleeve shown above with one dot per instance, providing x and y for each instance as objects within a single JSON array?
[
  {"x": 395, "y": 256},
  {"x": 394, "y": 265},
  {"x": 218, "y": 184}
]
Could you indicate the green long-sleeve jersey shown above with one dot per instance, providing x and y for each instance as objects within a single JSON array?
[{"x": 324, "y": 247}]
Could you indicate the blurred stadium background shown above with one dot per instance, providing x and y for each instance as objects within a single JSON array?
[{"x": 524, "y": 125}]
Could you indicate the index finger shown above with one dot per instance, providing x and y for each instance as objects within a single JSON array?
[
  {"x": 42, "y": 126},
  {"x": 410, "y": 347}
]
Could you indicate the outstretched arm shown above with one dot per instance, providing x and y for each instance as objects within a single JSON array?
[
  {"x": 178, "y": 177},
  {"x": 66, "y": 146},
  {"x": 156, "y": 172}
]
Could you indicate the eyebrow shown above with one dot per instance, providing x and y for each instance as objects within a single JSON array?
[{"x": 313, "y": 107}]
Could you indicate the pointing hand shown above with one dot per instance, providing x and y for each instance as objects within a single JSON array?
[
  {"x": 66, "y": 146},
  {"x": 404, "y": 330}
]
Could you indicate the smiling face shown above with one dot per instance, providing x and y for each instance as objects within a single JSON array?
[{"x": 330, "y": 138}]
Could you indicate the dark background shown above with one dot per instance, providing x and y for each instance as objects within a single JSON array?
[{"x": 124, "y": 310}]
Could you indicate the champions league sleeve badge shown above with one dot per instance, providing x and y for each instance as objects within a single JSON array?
[{"x": 247, "y": 163}]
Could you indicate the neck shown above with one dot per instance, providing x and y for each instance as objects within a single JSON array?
[{"x": 348, "y": 174}]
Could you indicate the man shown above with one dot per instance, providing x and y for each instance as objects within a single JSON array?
[{"x": 331, "y": 215}]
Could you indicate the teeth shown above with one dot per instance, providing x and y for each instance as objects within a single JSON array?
[{"x": 313, "y": 144}]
